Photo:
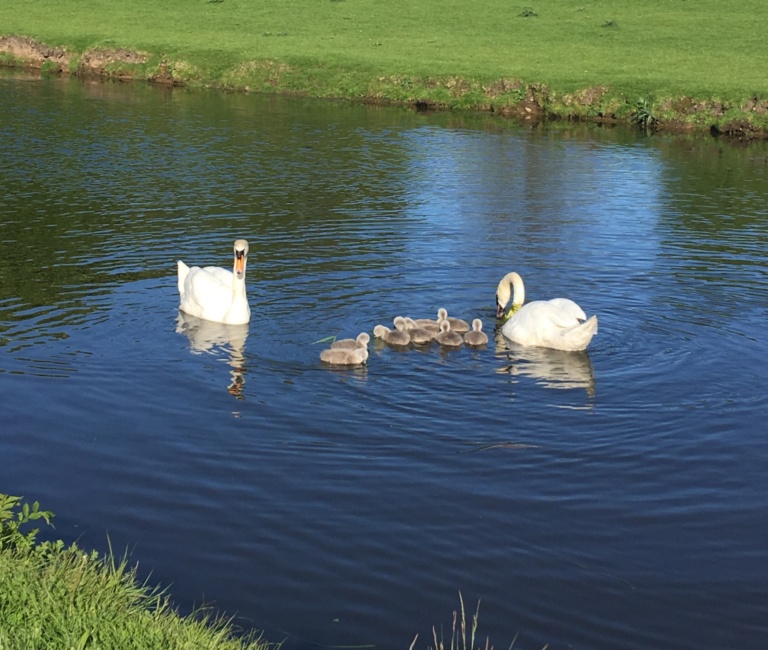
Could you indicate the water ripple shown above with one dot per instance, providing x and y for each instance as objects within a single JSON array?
[{"x": 582, "y": 496}]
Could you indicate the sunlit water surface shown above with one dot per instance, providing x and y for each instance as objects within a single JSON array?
[{"x": 608, "y": 499}]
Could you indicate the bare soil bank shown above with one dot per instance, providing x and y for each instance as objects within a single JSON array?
[{"x": 532, "y": 102}]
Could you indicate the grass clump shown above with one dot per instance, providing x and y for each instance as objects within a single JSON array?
[
  {"x": 644, "y": 115},
  {"x": 55, "y": 596}
]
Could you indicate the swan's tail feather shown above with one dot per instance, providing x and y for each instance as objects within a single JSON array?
[
  {"x": 183, "y": 272},
  {"x": 580, "y": 335}
]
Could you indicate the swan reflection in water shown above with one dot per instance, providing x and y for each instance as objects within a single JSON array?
[
  {"x": 216, "y": 338},
  {"x": 550, "y": 368}
]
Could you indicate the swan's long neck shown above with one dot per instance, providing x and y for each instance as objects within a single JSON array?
[
  {"x": 512, "y": 284},
  {"x": 239, "y": 311},
  {"x": 238, "y": 287},
  {"x": 518, "y": 289}
]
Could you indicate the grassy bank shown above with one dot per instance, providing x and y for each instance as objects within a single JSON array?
[
  {"x": 53, "y": 596},
  {"x": 681, "y": 64}
]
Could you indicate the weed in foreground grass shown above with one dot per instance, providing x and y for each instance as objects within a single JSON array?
[
  {"x": 52, "y": 596},
  {"x": 462, "y": 638}
]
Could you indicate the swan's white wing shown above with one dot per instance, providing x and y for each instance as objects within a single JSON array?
[
  {"x": 205, "y": 295},
  {"x": 551, "y": 314},
  {"x": 222, "y": 275},
  {"x": 527, "y": 325},
  {"x": 551, "y": 324},
  {"x": 568, "y": 311},
  {"x": 182, "y": 276}
]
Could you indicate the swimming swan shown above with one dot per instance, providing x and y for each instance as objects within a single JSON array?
[
  {"x": 361, "y": 341},
  {"x": 558, "y": 323},
  {"x": 344, "y": 356},
  {"x": 216, "y": 294},
  {"x": 476, "y": 338}
]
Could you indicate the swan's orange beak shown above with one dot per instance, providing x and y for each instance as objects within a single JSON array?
[
  {"x": 240, "y": 263},
  {"x": 499, "y": 310}
]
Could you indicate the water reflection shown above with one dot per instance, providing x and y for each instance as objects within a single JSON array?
[
  {"x": 225, "y": 341},
  {"x": 550, "y": 368}
]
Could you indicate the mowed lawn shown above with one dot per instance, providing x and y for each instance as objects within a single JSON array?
[{"x": 662, "y": 47}]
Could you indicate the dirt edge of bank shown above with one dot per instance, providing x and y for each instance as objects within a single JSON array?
[{"x": 529, "y": 103}]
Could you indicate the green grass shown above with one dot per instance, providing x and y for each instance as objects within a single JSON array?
[
  {"x": 55, "y": 597},
  {"x": 682, "y": 46},
  {"x": 71, "y": 599},
  {"x": 585, "y": 59}
]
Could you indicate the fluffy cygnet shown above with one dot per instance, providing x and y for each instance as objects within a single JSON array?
[
  {"x": 344, "y": 356},
  {"x": 457, "y": 324},
  {"x": 361, "y": 341},
  {"x": 397, "y": 338},
  {"x": 425, "y": 323},
  {"x": 419, "y": 335},
  {"x": 447, "y": 338},
  {"x": 476, "y": 337}
]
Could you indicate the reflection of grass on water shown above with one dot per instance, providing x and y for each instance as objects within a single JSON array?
[{"x": 462, "y": 638}]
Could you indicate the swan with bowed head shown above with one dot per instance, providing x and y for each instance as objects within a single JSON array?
[
  {"x": 216, "y": 294},
  {"x": 558, "y": 323}
]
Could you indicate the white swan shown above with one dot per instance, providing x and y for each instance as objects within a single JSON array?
[
  {"x": 216, "y": 294},
  {"x": 476, "y": 338},
  {"x": 558, "y": 323}
]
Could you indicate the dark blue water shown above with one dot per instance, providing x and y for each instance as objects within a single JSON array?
[{"x": 613, "y": 498}]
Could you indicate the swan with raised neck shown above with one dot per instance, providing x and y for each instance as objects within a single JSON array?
[{"x": 216, "y": 294}]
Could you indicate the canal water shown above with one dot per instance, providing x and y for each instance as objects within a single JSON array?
[{"x": 614, "y": 498}]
